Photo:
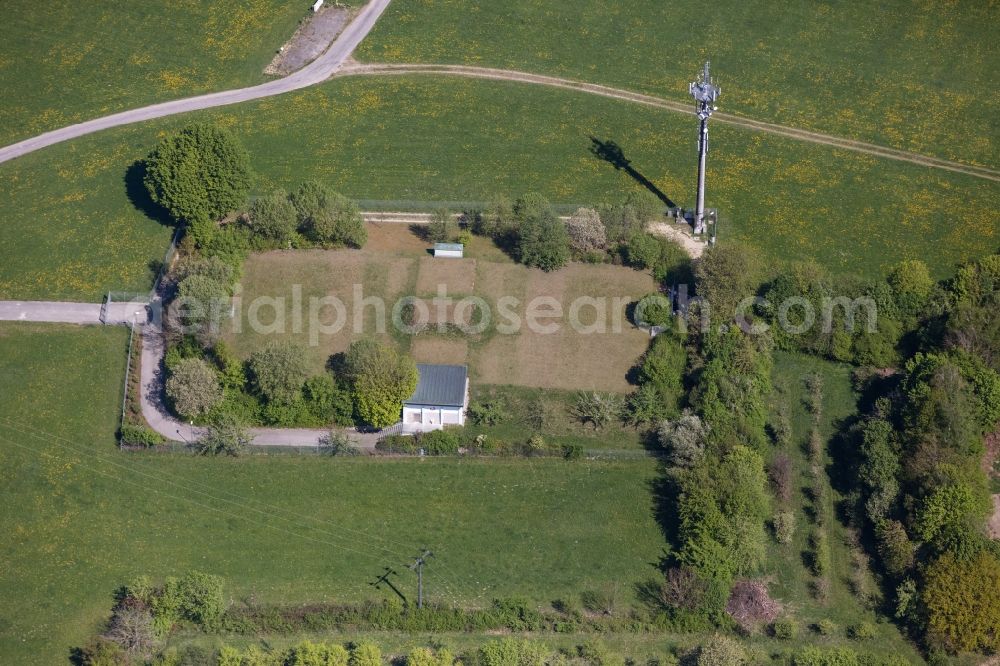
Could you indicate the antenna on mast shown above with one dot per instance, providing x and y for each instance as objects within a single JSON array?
[{"x": 705, "y": 92}]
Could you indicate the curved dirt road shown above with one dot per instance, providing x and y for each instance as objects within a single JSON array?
[
  {"x": 316, "y": 72},
  {"x": 361, "y": 69},
  {"x": 331, "y": 63}
]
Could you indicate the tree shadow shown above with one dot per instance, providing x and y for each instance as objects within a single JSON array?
[
  {"x": 138, "y": 195},
  {"x": 612, "y": 153}
]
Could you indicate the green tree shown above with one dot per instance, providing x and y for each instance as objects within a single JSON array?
[
  {"x": 441, "y": 227},
  {"x": 542, "y": 238},
  {"x": 382, "y": 379},
  {"x": 193, "y": 388},
  {"x": 497, "y": 220},
  {"x": 327, "y": 217},
  {"x": 200, "y": 304},
  {"x": 366, "y": 654},
  {"x": 962, "y": 600},
  {"x": 201, "y": 172},
  {"x": 725, "y": 275},
  {"x": 273, "y": 217},
  {"x": 225, "y": 436},
  {"x": 911, "y": 282},
  {"x": 279, "y": 370},
  {"x": 338, "y": 223}
]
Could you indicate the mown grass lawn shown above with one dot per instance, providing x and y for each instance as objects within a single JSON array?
[
  {"x": 591, "y": 348},
  {"x": 81, "y": 518},
  {"x": 921, "y": 76},
  {"x": 66, "y": 61},
  {"x": 71, "y": 231}
]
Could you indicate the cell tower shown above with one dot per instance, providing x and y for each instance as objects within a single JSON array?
[{"x": 705, "y": 93}]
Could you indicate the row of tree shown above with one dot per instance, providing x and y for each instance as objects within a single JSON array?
[
  {"x": 930, "y": 377},
  {"x": 367, "y": 385}
]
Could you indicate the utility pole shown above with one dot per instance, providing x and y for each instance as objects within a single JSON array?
[
  {"x": 705, "y": 92},
  {"x": 418, "y": 566},
  {"x": 384, "y": 578}
]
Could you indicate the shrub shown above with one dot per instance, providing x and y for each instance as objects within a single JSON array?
[
  {"x": 784, "y": 527},
  {"x": 279, "y": 371},
  {"x": 193, "y": 388},
  {"x": 684, "y": 440},
  {"x": 602, "y": 601},
  {"x": 600, "y": 409},
  {"x": 200, "y": 172},
  {"x": 497, "y": 220},
  {"x": 781, "y": 475},
  {"x": 654, "y": 309},
  {"x": 750, "y": 604},
  {"x": 226, "y": 436},
  {"x": 101, "y": 652},
  {"x": 337, "y": 222},
  {"x": 512, "y": 652},
  {"x": 785, "y": 629},
  {"x": 571, "y": 451},
  {"x": 894, "y": 546},
  {"x": 488, "y": 412},
  {"x": 440, "y": 442},
  {"x": 339, "y": 444},
  {"x": 273, "y": 217},
  {"x": 813, "y": 656},
  {"x": 863, "y": 631},
  {"x": 722, "y": 651},
  {"x": 586, "y": 231},
  {"x": 819, "y": 552},
  {"x": 131, "y": 434},
  {"x": 441, "y": 226},
  {"x": 826, "y": 627},
  {"x": 307, "y": 653},
  {"x": 595, "y": 652},
  {"x": 366, "y": 654}
]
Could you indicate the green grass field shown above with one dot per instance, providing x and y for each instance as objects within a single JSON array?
[
  {"x": 844, "y": 605},
  {"x": 72, "y": 61},
  {"x": 71, "y": 231},
  {"x": 82, "y": 518},
  {"x": 922, "y": 77}
]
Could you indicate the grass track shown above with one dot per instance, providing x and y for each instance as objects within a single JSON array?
[
  {"x": 439, "y": 139},
  {"x": 893, "y": 80}
]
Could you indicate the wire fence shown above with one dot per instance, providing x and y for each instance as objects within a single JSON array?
[{"x": 418, "y": 206}]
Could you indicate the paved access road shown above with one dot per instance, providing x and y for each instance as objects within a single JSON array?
[
  {"x": 72, "y": 313},
  {"x": 150, "y": 371},
  {"x": 316, "y": 72}
]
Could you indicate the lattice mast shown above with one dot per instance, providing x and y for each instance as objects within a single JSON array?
[{"x": 705, "y": 92}]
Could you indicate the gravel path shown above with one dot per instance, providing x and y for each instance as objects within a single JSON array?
[{"x": 316, "y": 72}]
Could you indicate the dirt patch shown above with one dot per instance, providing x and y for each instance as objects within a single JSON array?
[
  {"x": 446, "y": 351},
  {"x": 598, "y": 356},
  {"x": 457, "y": 276},
  {"x": 994, "y": 525},
  {"x": 395, "y": 238},
  {"x": 314, "y": 35}
]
